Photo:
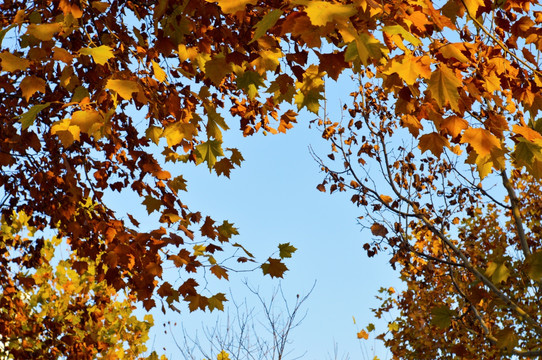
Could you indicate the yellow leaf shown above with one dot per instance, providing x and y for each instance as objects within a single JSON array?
[
  {"x": 492, "y": 82},
  {"x": 159, "y": 73},
  {"x": 481, "y": 140},
  {"x": 443, "y": 85},
  {"x": 472, "y": 6},
  {"x": 30, "y": 85},
  {"x": 433, "y": 142},
  {"x": 176, "y": 132},
  {"x": 66, "y": 132},
  {"x": 199, "y": 250},
  {"x": 100, "y": 54},
  {"x": 412, "y": 123},
  {"x": 367, "y": 46},
  {"x": 223, "y": 356},
  {"x": 322, "y": 12},
  {"x": 87, "y": 120},
  {"x": 410, "y": 68},
  {"x": 154, "y": 133},
  {"x": 44, "y": 32},
  {"x": 387, "y": 199},
  {"x": 217, "y": 68},
  {"x": 124, "y": 88},
  {"x": 453, "y": 50},
  {"x": 267, "y": 61},
  {"x": 527, "y": 132},
  {"x": 233, "y": 6},
  {"x": 12, "y": 63}
]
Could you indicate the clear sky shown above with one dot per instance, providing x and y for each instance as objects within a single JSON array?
[{"x": 273, "y": 199}]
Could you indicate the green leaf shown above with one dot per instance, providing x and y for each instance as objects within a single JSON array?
[
  {"x": 27, "y": 119},
  {"x": 535, "y": 266},
  {"x": 274, "y": 268},
  {"x": 226, "y": 230},
  {"x": 215, "y": 121},
  {"x": 250, "y": 81},
  {"x": 441, "y": 316},
  {"x": 507, "y": 338},
  {"x": 266, "y": 23},
  {"x": 152, "y": 204},
  {"x": 497, "y": 271},
  {"x": 286, "y": 250},
  {"x": 208, "y": 151}
]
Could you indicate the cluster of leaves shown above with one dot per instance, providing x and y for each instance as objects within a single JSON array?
[{"x": 54, "y": 310}]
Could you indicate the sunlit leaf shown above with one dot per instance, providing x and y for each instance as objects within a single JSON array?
[{"x": 100, "y": 54}]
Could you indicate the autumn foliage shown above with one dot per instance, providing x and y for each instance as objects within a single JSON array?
[{"x": 120, "y": 96}]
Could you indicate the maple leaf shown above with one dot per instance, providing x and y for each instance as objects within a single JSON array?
[
  {"x": 159, "y": 73},
  {"x": 27, "y": 119},
  {"x": 215, "y": 120},
  {"x": 365, "y": 47},
  {"x": 332, "y": 64},
  {"x": 154, "y": 133},
  {"x": 379, "y": 230},
  {"x": 66, "y": 132},
  {"x": 217, "y": 302},
  {"x": 433, "y": 142},
  {"x": 219, "y": 272},
  {"x": 453, "y": 51},
  {"x": 30, "y": 85},
  {"x": 481, "y": 140},
  {"x": 100, "y": 54},
  {"x": 441, "y": 316},
  {"x": 208, "y": 151},
  {"x": 152, "y": 204},
  {"x": 196, "y": 301},
  {"x": 268, "y": 60},
  {"x": 226, "y": 231},
  {"x": 175, "y": 133},
  {"x": 217, "y": 68},
  {"x": 43, "y": 32},
  {"x": 274, "y": 268},
  {"x": 232, "y": 6},
  {"x": 250, "y": 81},
  {"x": 12, "y": 63},
  {"x": 286, "y": 250},
  {"x": 443, "y": 86},
  {"x": 534, "y": 263},
  {"x": 124, "y": 88},
  {"x": 266, "y": 23},
  {"x": 310, "y": 90},
  {"x": 506, "y": 338},
  {"x": 322, "y": 12},
  {"x": 177, "y": 183},
  {"x": 399, "y": 30},
  {"x": 454, "y": 125},
  {"x": 363, "y": 335},
  {"x": 497, "y": 271},
  {"x": 410, "y": 68},
  {"x": 87, "y": 120},
  {"x": 412, "y": 123},
  {"x": 223, "y": 167}
]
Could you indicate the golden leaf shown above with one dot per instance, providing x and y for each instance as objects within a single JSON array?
[
  {"x": 481, "y": 140},
  {"x": 433, "y": 142},
  {"x": 44, "y": 32},
  {"x": 12, "y": 63},
  {"x": 100, "y": 54},
  {"x": 232, "y": 6},
  {"x": 30, "y": 85},
  {"x": 443, "y": 86},
  {"x": 159, "y": 73},
  {"x": 124, "y": 88}
]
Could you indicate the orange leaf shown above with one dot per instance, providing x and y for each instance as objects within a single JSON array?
[
  {"x": 527, "y": 132},
  {"x": 30, "y": 85},
  {"x": 363, "y": 335},
  {"x": 232, "y": 6},
  {"x": 219, "y": 272},
  {"x": 12, "y": 63},
  {"x": 481, "y": 140},
  {"x": 454, "y": 125}
]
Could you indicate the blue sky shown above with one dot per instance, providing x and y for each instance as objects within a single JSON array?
[{"x": 273, "y": 199}]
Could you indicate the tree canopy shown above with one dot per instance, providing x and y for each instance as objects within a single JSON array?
[{"x": 123, "y": 95}]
